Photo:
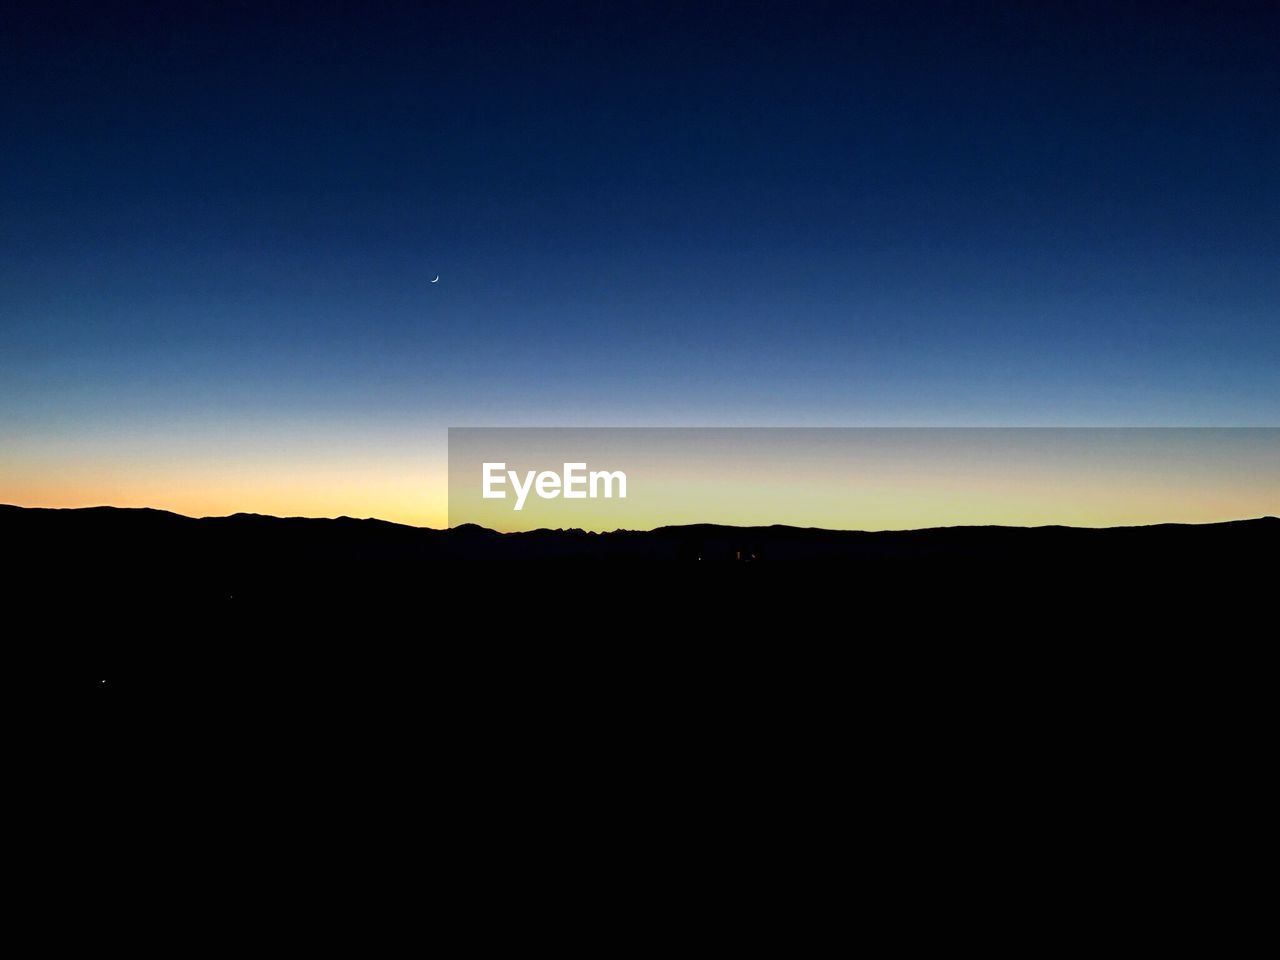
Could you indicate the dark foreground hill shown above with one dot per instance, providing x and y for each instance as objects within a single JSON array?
[{"x": 828, "y": 628}]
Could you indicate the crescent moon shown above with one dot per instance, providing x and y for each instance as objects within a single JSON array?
[{"x": 437, "y": 279}]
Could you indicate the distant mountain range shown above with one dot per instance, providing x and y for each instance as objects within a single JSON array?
[{"x": 72, "y": 538}]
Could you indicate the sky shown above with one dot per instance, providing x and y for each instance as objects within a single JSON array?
[{"x": 219, "y": 224}]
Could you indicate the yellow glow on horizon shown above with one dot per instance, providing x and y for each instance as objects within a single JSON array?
[
  {"x": 417, "y": 499},
  {"x": 913, "y": 485}
]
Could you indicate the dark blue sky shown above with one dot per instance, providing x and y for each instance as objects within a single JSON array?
[{"x": 226, "y": 219}]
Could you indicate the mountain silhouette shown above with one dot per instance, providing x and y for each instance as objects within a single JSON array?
[
  {"x": 98, "y": 541},
  {"x": 493, "y": 629}
]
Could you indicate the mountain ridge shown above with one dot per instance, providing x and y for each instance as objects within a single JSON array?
[
  {"x": 244, "y": 516},
  {"x": 725, "y": 578}
]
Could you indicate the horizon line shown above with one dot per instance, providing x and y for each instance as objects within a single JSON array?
[{"x": 670, "y": 526}]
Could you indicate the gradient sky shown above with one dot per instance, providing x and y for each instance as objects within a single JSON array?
[{"x": 219, "y": 224}]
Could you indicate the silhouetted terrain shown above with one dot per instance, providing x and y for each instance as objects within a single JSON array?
[
  {"x": 87, "y": 545},
  {"x": 244, "y": 537},
  {"x": 826, "y": 631}
]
